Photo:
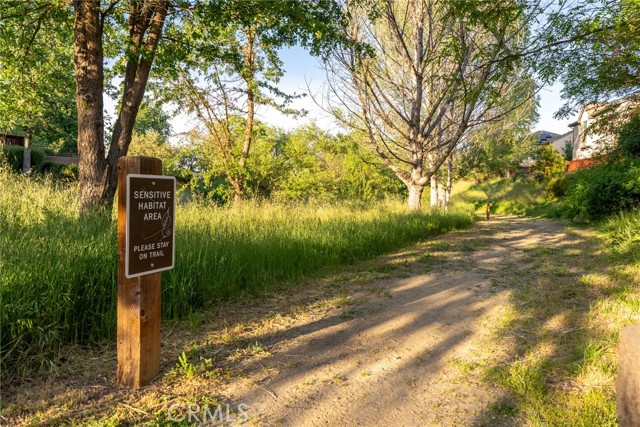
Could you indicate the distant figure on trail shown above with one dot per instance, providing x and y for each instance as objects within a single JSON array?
[{"x": 488, "y": 210}]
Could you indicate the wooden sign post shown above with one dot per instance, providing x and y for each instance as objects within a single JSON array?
[{"x": 146, "y": 217}]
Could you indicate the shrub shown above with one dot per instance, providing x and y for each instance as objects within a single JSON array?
[
  {"x": 560, "y": 185},
  {"x": 629, "y": 138},
  {"x": 60, "y": 171},
  {"x": 548, "y": 163},
  {"x": 599, "y": 191},
  {"x": 15, "y": 157}
]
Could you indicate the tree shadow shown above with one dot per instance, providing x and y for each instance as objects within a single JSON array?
[{"x": 563, "y": 352}]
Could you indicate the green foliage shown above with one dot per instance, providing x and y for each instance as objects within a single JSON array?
[
  {"x": 567, "y": 151},
  {"x": 153, "y": 144},
  {"x": 36, "y": 75},
  {"x": 629, "y": 138},
  {"x": 231, "y": 66},
  {"x": 14, "y": 156},
  {"x": 319, "y": 166},
  {"x": 152, "y": 118},
  {"x": 623, "y": 231},
  {"x": 58, "y": 273},
  {"x": 185, "y": 366},
  {"x": 599, "y": 191},
  {"x": 507, "y": 196},
  {"x": 548, "y": 163},
  {"x": 611, "y": 187},
  {"x": 307, "y": 164},
  {"x": 602, "y": 60},
  {"x": 493, "y": 148},
  {"x": 60, "y": 172}
]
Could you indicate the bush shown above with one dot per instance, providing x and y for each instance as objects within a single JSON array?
[
  {"x": 15, "y": 157},
  {"x": 560, "y": 185},
  {"x": 629, "y": 138},
  {"x": 548, "y": 163},
  {"x": 599, "y": 191},
  {"x": 60, "y": 171}
]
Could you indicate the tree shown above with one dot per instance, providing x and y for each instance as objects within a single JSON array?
[
  {"x": 146, "y": 19},
  {"x": 419, "y": 73},
  {"x": 548, "y": 162},
  {"x": 595, "y": 52},
  {"x": 235, "y": 67},
  {"x": 496, "y": 146},
  {"x": 319, "y": 166},
  {"x": 36, "y": 73},
  {"x": 150, "y": 137}
]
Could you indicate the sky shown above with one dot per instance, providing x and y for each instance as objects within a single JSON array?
[{"x": 302, "y": 70}]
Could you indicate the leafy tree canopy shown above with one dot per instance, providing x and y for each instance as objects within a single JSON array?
[
  {"x": 36, "y": 72},
  {"x": 602, "y": 60}
]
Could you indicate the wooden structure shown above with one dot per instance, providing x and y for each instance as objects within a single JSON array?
[
  {"x": 138, "y": 337},
  {"x": 12, "y": 139}
]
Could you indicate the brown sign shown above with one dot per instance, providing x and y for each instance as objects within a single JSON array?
[{"x": 150, "y": 224}]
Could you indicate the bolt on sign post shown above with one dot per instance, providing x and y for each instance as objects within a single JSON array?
[{"x": 146, "y": 218}]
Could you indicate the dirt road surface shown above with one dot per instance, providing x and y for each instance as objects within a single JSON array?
[
  {"x": 388, "y": 342},
  {"x": 388, "y": 357}
]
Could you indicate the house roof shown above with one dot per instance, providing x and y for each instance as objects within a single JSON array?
[
  {"x": 545, "y": 137},
  {"x": 570, "y": 133}
]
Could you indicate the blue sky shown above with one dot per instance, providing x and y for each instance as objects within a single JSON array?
[{"x": 302, "y": 69}]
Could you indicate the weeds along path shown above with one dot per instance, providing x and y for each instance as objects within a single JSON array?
[{"x": 404, "y": 340}]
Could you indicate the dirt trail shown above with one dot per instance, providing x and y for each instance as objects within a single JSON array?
[
  {"x": 385, "y": 342},
  {"x": 389, "y": 358}
]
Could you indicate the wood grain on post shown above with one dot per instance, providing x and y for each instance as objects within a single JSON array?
[
  {"x": 628, "y": 380},
  {"x": 138, "y": 338}
]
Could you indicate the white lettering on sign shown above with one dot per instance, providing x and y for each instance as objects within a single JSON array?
[
  {"x": 150, "y": 207},
  {"x": 144, "y": 194},
  {"x": 142, "y": 206},
  {"x": 148, "y": 216}
]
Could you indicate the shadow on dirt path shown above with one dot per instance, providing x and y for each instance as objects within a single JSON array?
[
  {"x": 388, "y": 342},
  {"x": 387, "y": 360}
]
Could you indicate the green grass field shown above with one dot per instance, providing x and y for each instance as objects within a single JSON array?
[{"x": 58, "y": 273}]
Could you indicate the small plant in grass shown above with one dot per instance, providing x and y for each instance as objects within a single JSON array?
[
  {"x": 193, "y": 321},
  {"x": 185, "y": 365},
  {"x": 258, "y": 349}
]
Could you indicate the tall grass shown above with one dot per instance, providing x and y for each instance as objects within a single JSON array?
[
  {"x": 58, "y": 272},
  {"x": 623, "y": 231},
  {"x": 508, "y": 197}
]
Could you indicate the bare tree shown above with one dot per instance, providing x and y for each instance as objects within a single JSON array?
[
  {"x": 218, "y": 107},
  {"x": 419, "y": 74}
]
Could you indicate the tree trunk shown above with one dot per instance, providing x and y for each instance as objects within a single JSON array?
[
  {"x": 433, "y": 199},
  {"x": 415, "y": 194},
  {"x": 238, "y": 191},
  {"x": 99, "y": 175},
  {"x": 249, "y": 77},
  {"x": 148, "y": 15},
  {"x": 26, "y": 158},
  {"x": 447, "y": 196},
  {"x": 88, "y": 64}
]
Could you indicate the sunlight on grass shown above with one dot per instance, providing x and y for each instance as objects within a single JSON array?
[
  {"x": 553, "y": 346},
  {"x": 58, "y": 272}
]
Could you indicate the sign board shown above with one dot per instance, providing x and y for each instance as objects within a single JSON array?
[{"x": 150, "y": 237}]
